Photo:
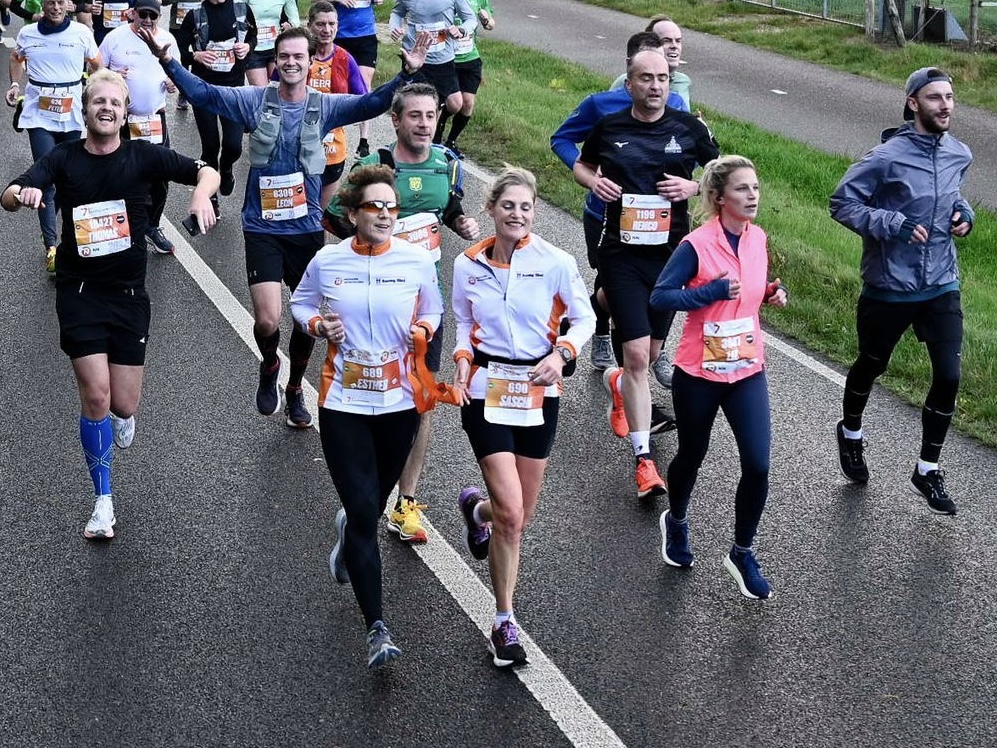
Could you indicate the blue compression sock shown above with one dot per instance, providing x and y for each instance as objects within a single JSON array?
[{"x": 97, "y": 438}]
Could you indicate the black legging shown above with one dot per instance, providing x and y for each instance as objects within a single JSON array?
[
  {"x": 938, "y": 323},
  {"x": 365, "y": 455},
  {"x": 745, "y": 403},
  {"x": 229, "y": 143}
]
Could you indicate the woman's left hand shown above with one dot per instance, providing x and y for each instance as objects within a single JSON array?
[
  {"x": 461, "y": 381},
  {"x": 548, "y": 371},
  {"x": 775, "y": 294}
]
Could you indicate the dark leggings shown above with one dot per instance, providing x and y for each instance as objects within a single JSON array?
[
  {"x": 745, "y": 404},
  {"x": 229, "y": 143},
  {"x": 938, "y": 324},
  {"x": 365, "y": 455}
]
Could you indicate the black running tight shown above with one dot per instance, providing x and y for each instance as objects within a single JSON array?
[{"x": 365, "y": 455}]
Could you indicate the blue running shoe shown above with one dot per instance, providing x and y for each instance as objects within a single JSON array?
[
  {"x": 380, "y": 649},
  {"x": 743, "y": 566},
  {"x": 675, "y": 542}
]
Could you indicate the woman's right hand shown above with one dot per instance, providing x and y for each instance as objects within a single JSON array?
[{"x": 461, "y": 381}]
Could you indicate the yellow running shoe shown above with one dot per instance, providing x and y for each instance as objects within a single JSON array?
[
  {"x": 50, "y": 260},
  {"x": 406, "y": 521}
]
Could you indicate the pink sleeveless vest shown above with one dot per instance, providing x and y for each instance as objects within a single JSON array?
[{"x": 723, "y": 342}]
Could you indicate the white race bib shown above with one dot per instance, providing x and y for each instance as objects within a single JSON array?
[
  {"x": 372, "y": 378},
  {"x": 730, "y": 346},
  {"x": 183, "y": 9},
  {"x": 149, "y": 127},
  {"x": 283, "y": 198},
  {"x": 114, "y": 15},
  {"x": 422, "y": 229},
  {"x": 101, "y": 228},
  {"x": 645, "y": 219},
  {"x": 439, "y": 32},
  {"x": 511, "y": 399},
  {"x": 464, "y": 44},
  {"x": 55, "y": 104},
  {"x": 224, "y": 55}
]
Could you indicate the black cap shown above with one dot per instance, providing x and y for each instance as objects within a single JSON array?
[{"x": 916, "y": 81}]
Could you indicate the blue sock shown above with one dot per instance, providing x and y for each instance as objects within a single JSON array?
[{"x": 97, "y": 439}]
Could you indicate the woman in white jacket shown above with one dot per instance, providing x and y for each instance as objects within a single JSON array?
[
  {"x": 367, "y": 296},
  {"x": 511, "y": 292}
]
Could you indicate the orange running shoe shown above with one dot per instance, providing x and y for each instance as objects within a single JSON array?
[
  {"x": 649, "y": 483},
  {"x": 611, "y": 380}
]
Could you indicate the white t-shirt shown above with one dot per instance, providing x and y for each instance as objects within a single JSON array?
[
  {"x": 54, "y": 58},
  {"x": 122, "y": 48}
]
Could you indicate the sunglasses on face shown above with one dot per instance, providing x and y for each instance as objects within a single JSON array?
[
  {"x": 147, "y": 15},
  {"x": 376, "y": 206}
]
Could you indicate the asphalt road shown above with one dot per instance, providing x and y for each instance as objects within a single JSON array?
[
  {"x": 211, "y": 620},
  {"x": 832, "y": 111}
]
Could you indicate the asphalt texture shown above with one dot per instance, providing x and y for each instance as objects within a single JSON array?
[{"x": 211, "y": 619}]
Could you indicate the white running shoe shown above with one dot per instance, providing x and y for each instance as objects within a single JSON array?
[
  {"x": 124, "y": 430},
  {"x": 101, "y": 524},
  {"x": 662, "y": 369}
]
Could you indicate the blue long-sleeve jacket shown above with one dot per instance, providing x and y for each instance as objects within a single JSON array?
[
  {"x": 910, "y": 177},
  {"x": 244, "y": 104},
  {"x": 564, "y": 142}
]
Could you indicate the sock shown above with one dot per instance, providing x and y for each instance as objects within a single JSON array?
[
  {"x": 299, "y": 350},
  {"x": 502, "y": 616},
  {"x": 476, "y": 514},
  {"x": 641, "y": 441},
  {"x": 741, "y": 550},
  {"x": 97, "y": 439},
  {"x": 923, "y": 468},
  {"x": 460, "y": 121},
  {"x": 849, "y": 434},
  {"x": 441, "y": 122},
  {"x": 268, "y": 346}
]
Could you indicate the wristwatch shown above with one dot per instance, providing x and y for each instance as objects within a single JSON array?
[{"x": 565, "y": 353}]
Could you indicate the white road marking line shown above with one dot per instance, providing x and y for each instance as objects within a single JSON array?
[
  {"x": 780, "y": 93},
  {"x": 552, "y": 690}
]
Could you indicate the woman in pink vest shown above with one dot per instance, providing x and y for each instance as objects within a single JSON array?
[{"x": 719, "y": 276}]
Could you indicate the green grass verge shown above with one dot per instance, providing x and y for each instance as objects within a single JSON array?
[
  {"x": 526, "y": 96},
  {"x": 831, "y": 44}
]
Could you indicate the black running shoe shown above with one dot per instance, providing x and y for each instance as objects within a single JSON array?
[
  {"x": 159, "y": 241},
  {"x": 216, "y": 206},
  {"x": 932, "y": 488},
  {"x": 268, "y": 393},
  {"x": 478, "y": 536},
  {"x": 363, "y": 148},
  {"x": 851, "y": 457},
  {"x": 456, "y": 151},
  {"x": 661, "y": 420},
  {"x": 505, "y": 647},
  {"x": 297, "y": 414}
]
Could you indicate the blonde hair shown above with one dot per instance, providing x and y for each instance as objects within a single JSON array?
[
  {"x": 510, "y": 176},
  {"x": 105, "y": 76},
  {"x": 714, "y": 180}
]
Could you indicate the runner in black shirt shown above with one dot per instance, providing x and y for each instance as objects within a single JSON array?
[
  {"x": 640, "y": 161},
  {"x": 101, "y": 302}
]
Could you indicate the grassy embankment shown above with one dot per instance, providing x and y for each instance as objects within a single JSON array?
[{"x": 528, "y": 94}]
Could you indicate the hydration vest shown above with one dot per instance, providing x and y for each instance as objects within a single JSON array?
[
  {"x": 263, "y": 140},
  {"x": 201, "y": 24},
  {"x": 437, "y": 179}
]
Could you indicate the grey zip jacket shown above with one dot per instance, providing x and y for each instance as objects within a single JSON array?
[{"x": 909, "y": 177}]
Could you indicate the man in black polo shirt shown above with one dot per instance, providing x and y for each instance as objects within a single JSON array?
[{"x": 640, "y": 161}]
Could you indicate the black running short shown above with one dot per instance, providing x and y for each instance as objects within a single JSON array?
[
  {"x": 362, "y": 48},
  {"x": 487, "y": 438},
  {"x": 96, "y": 319},
  {"x": 469, "y": 75},
  {"x": 256, "y": 60},
  {"x": 442, "y": 77},
  {"x": 280, "y": 257},
  {"x": 628, "y": 277},
  {"x": 434, "y": 351}
]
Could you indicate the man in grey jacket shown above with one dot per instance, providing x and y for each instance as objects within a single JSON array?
[{"x": 903, "y": 199}]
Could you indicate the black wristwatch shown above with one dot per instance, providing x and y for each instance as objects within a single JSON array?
[{"x": 565, "y": 353}]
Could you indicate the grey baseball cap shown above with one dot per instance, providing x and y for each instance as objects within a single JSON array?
[{"x": 918, "y": 80}]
